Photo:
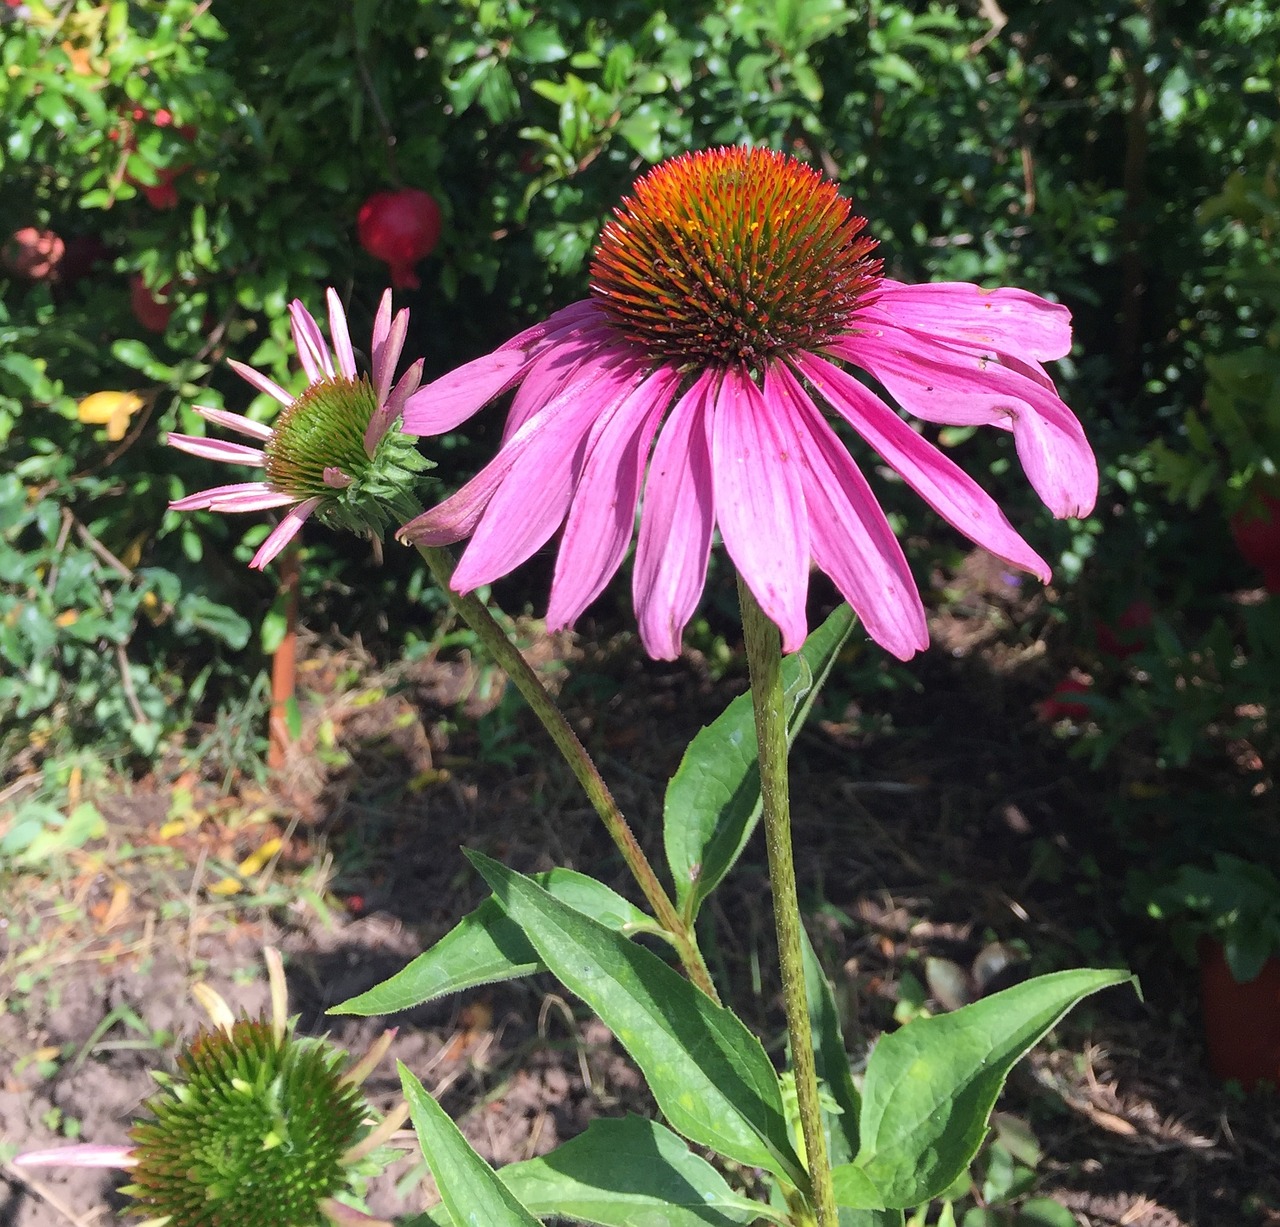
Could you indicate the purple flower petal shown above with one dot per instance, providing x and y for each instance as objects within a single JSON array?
[
  {"x": 81, "y": 1155},
  {"x": 217, "y": 449},
  {"x": 602, "y": 515},
  {"x": 946, "y": 487},
  {"x": 849, "y": 534},
  {"x": 235, "y": 421},
  {"x": 341, "y": 335},
  {"x": 243, "y": 496},
  {"x": 676, "y": 523},
  {"x": 759, "y": 503},
  {"x": 284, "y": 532},
  {"x": 313, "y": 353},
  {"x": 1012, "y": 321},
  {"x": 261, "y": 382}
]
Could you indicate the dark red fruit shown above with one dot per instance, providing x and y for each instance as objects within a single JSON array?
[
  {"x": 1256, "y": 531},
  {"x": 1061, "y": 706},
  {"x": 151, "y": 308},
  {"x": 1128, "y": 634},
  {"x": 400, "y": 227},
  {"x": 34, "y": 254}
]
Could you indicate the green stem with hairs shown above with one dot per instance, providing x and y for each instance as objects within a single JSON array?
[
  {"x": 505, "y": 654},
  {"x": 764, "y": 657}
]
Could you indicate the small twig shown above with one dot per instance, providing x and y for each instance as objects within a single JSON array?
[{"x": 388, "y": 133}]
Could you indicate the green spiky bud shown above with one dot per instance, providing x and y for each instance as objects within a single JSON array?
[{"x": 251, "y": 1132}]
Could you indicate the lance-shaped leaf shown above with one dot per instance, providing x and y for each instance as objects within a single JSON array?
[
  {"x": 930, "y": 1086},
  {"x": 832, "y": 1061},
  {"x": 468, "y": 1186},
  {"x": 713, "y": 801},
  {"x": 709, "y": 1074},
  {"x": 485, "y": 946},
  {"x": 625, "y": 1173}
]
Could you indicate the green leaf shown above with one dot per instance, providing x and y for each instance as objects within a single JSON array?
[
  {"x": 709, "y": 1074},
  {"x": 713, "y": 801},
  {"x": 485, "y": 946},
  {"x": 931, "y": 1085},
  {"x": 832, "y": 1063},
  {"x": 854, "y": 1189},
  {"x": 627, "y": 1173},
  {"x": 468, "y": 1187}
]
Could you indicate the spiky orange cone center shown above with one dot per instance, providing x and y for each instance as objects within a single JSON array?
[{"x": 733, "y": 256}]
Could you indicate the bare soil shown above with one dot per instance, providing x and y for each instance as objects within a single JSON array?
[{"x": 941, "y": 830}]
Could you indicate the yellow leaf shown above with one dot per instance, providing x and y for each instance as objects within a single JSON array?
[
  {"x": 110, "y": 409},
  {"x": 68, "y": 617},
  {"x": 226, "y": 886},
  {"x": 255, "y": 860}
]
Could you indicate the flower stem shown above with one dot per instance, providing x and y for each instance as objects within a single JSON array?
[
  {"x": 481, "y": 620},
  {"x": 764, "y": 656}
]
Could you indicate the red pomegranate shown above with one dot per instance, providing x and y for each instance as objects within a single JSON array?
[
  {"x": 1061, "y": 705},
  {"x": 151, "y": 308},
  {"x": 1129, "y": 633},
  {"x": 401, "y": 228},
  {"x": 160, "y": 195},
  {"x": 1256, "y": 531},
  {"x": 34, "y": 254}
]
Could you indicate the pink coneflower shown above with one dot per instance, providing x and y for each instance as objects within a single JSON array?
[
  {"x": 331, "y": 451},
  {"x": 730, "y": 295}
]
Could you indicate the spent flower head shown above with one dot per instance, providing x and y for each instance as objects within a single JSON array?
[
  {"x": 331, "y": 451},
  {"x": 732, "y": 296},
  {"x": 259, "y": 1127}
]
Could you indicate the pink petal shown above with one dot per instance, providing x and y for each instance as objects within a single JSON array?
[
  {"x": 313, "y": 353},
  {"x": 83, "y": 1155},
  {"x": 1010, "y": 320},
  {"x": 391, "y": 408},
  {"x": 759, "y": 502},
  {"x": 217, "y": 449},
  {"x": 261, "y": 382},
  {"x": 602, "y": 516},
  {"x": 235, "y": 421},
  {"x": 942, "y": 384},
  {"x": 388, "y": 343},
  {"x": 567, "y": 317},
  {"x": 849, "y": 534},
  {"x": 552, "y": 370},
  {"x": 448, "y": 401},
  {"x": 243, "y": 496},
  {"x": 341, "y": 335},
  {"x": 569, "y": 414},
  {"x": 951, "y": 492},
  {"x": 533, "y": 498},
  {"x": 284, "y": 532},
  {"x": 676, "y": 524}
]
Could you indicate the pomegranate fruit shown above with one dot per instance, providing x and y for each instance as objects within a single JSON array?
[
  {"x": 151, "y": 308},
  {"x": 1255, "y": 528},
  {"x": 1060, "y": 705},
  {"x": 1129, "y": 633},
  {"x": 401, "y": 228},
  {"x": 34, "y": 254}
]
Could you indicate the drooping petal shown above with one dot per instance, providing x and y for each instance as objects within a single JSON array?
[
  {"x": 1010, "y": 320},
  {"x": 939, "y": 383},
  {"x": 81, "y": 1155},
  {"x": 313, "y": 353},
  {"x": 242, "y": 496},
  {"x": 602, "y": 513},
  {"x": 554, "y": 369},
  {"x": 534, "y": 497},
  {"x": 937, "y": 479},
  {"x": 444, "y": 403},
  {"x": 217, "y": 449},
  {"x": 760, "y": 504},
  {"x": 849, "y": 535},
  {"x": 261, "y": 382},
  {"x": 341, "y": 335},
  {"x": 290, "y": 525},
  {"x": 569, "y": 414},
  {"x": 235, "y": 421},
  {"x": 676, "y": 523}
]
